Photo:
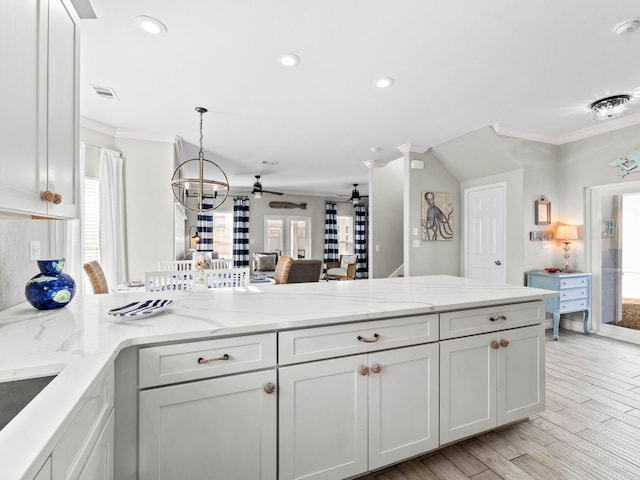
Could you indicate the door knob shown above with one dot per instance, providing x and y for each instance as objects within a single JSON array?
[{"x": 498, "y": 262}]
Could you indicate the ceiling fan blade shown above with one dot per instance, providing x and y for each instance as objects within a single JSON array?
[{"x": 273, "y": 193}]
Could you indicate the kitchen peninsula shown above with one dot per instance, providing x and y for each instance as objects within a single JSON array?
[{"x": 444, "y": 343}]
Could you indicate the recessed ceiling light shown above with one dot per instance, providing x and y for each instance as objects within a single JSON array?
[
  {"x": 289, "y": 59},
  {"x": 384, "y": 82},
  {"x": 150, "y": 25}
]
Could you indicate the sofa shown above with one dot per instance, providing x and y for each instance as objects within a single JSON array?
[{"x": 303, "y": 271}]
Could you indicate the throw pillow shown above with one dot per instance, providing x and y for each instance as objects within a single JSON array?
[{"x": 264, "y": 262}]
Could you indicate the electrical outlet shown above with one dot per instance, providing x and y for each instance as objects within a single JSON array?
[
  {"x": 416, "y": 244},
  {"x": 377, "y": 248},
  {"x": 34, "y": 250}
]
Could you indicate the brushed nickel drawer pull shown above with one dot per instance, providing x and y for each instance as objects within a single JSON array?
[
  {"x": 499, "y": 317},
  {"x": 375, "y": 338},
  {"x": 269, "y": 388},
  {"x": 216, "y": 359}
]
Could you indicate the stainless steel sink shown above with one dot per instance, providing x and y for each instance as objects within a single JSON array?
[{"x": 16, "y": 394}]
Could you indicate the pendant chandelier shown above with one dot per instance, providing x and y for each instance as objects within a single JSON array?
[{"x": 210, "y": 187}]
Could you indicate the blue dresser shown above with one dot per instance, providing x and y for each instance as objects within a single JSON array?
[{"x": 575, "y": 294}]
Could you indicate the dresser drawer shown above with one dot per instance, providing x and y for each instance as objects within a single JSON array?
[
  {"x": 491, "y": 319},
  {"x": 210, "y": 358},
  {"x": 572, "y": 293},
  {"x": 574, "y": 282},
  {"x": 307, "y": 344},
  {"x": 577, "y": 305}
]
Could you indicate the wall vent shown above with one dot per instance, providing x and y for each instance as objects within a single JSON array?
[{"x": 105, "y": 92}]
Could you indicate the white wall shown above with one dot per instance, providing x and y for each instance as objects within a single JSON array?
[
  {"x": 386, "y": 218},
  {"x": 432, "y": 257}
]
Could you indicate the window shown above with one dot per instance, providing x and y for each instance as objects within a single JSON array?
[
  {"x": 90, "y": 223},
  {"x": 223, "y": 234},
  {"x": 345, "y": 236}
]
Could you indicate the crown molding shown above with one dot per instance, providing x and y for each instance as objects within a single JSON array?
[
  {"x": 599, "y": 129},
  {"x": 375, "y": 163},
  {"x": 116, "y": 133},
  {"x": 413, "y": 148}
]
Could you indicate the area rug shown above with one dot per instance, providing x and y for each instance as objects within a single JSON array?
[{"x": 630, "y": 314}]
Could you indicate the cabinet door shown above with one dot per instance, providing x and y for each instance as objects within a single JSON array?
[
  {"x": 23, "y": 74},
  {"x": 219, "y": 428},
  {"x": 45, "y": 471},
  {"x": 99, "y": 464},
  {"x": 403, "y": 403},
  {"x": 468, "y": 393},
  {"x": 323, "y": 419},
  {"x": 521, "y": 390},
  {"x": 62, "y": 128}
]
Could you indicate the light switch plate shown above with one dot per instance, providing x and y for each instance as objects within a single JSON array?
[{"x": 34, "y": 250}]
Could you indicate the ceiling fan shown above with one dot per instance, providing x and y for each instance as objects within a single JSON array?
[
  {"x": 356, "y": 198},
  {"x": 258, "y": 190}
]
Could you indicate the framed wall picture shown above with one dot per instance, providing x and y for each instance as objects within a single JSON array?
[{"x": 543, "y": 212}]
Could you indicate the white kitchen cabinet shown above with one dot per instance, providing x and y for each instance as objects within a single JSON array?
[
  {"x": 45, "y": 471},
  {"x": 217, "y": 428},
  {"x": 39, "y": 125},
  {"x": 341, "y": 417},
  {"x": 100, "y": 463},
  {"x": 490, "y": 380},
  {"x": 88, "y": 440}
]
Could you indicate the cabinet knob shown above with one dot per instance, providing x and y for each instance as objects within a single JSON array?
[
  {"x": 504, "y": 342},
  {"x": 363, "y": 370},
  {"x": 269, "y": 388},
  {"x": 47, "y": 196},
  {"x": 376, "y": 368},
  {"x": 495, "y": 345},
  {"x": 57, "y": 198},
  {"x": 499, "y": 317},
  {"x": 375, "y": 338},
  {"x": 216, "y": 359}
]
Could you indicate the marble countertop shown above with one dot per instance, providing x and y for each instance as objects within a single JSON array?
[{"x": 80, "y": 341}]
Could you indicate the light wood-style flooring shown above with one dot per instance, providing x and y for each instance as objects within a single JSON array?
[{"x": 590, "y": 429}]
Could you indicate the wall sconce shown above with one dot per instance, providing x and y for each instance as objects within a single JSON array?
[
  {"x": 543, "y": 212},
  {"x": 195, "y": 239},
  {"x": 566, "y": 233}
]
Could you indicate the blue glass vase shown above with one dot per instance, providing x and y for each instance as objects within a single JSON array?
[{"x": 51, "y": 288}]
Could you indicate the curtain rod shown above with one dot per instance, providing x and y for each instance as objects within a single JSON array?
[{"x": 97, "y": 147}]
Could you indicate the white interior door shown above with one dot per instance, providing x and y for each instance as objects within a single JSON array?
[{"x": 485, "y": 253}]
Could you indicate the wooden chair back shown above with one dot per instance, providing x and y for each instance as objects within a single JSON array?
[
  {"x": 223, "y": 277},
  {"x": 283, "y": 267},
  {"x": 173, "y": 265},
  {"x": 170, "y": 280},
  {"x": 96, "y": 277}
]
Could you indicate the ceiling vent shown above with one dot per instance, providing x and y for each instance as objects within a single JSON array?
[{"x": 105, "y": 92}]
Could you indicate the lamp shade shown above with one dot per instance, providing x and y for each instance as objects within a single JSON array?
[{"x": 567, "y": 232}]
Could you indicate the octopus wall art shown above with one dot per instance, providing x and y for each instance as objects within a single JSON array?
[{"x": 437, "y": 216}]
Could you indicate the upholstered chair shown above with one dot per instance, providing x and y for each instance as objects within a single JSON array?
[
  {"x": 343, "y": 270},
  {"x": 283, "y": 267}
]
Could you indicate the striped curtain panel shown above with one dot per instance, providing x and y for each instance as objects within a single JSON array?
[
  {"x": 330, "y": 235},
  {"x": 240, "y": 232},
  {"x": 205, "y": 227},
  {"x": 362, "y": 270}
]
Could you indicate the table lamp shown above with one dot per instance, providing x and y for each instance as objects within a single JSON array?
[{"x": 566, "y": 233}]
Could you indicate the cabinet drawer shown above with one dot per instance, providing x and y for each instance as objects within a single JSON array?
[
  {"x": 210, "y": 358},
  {"x": 573, "y": 282},
  {"x": 572, "y": 293},
  {"x": 71, "y": 453},
  {"x": 578, "y": 305},
  {"x": 490, "y": 319},
  {"x": 337, "y": 340}
]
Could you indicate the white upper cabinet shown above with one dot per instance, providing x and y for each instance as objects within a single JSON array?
[{"x": 39, "y": 122}]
